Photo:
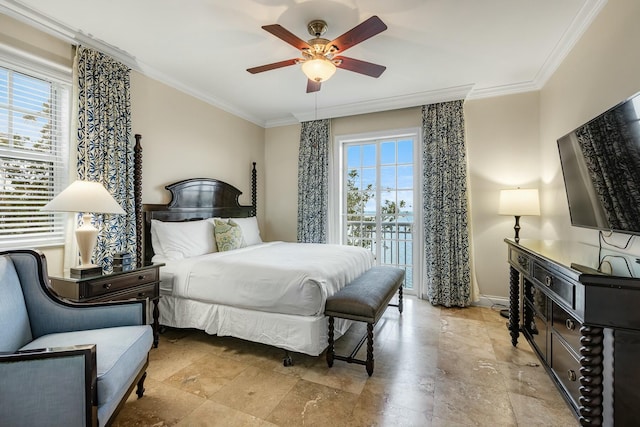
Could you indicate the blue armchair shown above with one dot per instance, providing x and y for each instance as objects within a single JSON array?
[{"x": 65, "y": 364}]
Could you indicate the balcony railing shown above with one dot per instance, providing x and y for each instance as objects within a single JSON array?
[{"x": 394, "y": 238}]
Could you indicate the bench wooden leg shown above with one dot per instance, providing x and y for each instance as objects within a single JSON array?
[
  {"x": 330, "y": 349},
  {"x": 369, "y": 363}
]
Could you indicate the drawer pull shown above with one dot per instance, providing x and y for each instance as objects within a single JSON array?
[
  {"x": 142, "y": 294},
  {"x": 107, "y": 286},
  {"x": 571, "y": 374},
  {"x": 142, "y": 277},
  {"x": 570, "y": 324},
  {"x": 548, "y": 280}
]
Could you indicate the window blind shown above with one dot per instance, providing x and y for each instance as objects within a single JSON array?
[{"x": 34, "y": 116}]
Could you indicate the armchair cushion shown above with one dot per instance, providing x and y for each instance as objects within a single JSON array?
[
  {"x": 121, "y": 353},
  {"x": 16, "y": 330}
]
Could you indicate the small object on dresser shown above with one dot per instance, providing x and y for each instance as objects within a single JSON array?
[{"x": 122, "y": 261}]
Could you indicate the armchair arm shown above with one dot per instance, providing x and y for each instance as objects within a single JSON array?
[
  {"x": 52, "y": 386},
  {"x": 51, "y": 314}
]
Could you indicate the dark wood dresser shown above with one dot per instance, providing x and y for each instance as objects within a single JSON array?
[
  {"x": 141, "y": 282},
  {"x": 584, "y": 325}
]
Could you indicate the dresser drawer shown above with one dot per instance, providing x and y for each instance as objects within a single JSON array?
[
  {"x": 519, "y": 259},
  {"x": 562, "y": 288},
  {"x": 114, "y": 282},
  {"x": 536, "y": 298},
  {"x": 536, "y": 331},
  {"x": 567, "y": 326},
  {"x": 566, "y": 367}
]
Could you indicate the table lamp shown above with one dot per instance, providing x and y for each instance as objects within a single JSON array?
[
  {"x": 519, "y": 202},
  {"x": 87, "y": 197}
]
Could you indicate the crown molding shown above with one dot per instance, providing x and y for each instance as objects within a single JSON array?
[
  {"x": 385, "y": 104},
  {"x": 567, "y": 42},
  {"x": 569, "y": 39}
]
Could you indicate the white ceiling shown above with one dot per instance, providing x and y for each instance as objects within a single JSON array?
[{"x": 434, "y": 50}]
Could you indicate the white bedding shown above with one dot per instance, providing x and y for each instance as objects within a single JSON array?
[{"x": 275, "y": 277}]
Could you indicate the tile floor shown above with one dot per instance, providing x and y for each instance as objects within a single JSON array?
[{"x": 433, "y": 367}]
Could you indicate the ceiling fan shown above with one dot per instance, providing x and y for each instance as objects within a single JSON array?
[{"x": 320, "y": 57}]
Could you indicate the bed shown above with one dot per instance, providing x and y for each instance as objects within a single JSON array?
[{"x": 267, "y": 292}]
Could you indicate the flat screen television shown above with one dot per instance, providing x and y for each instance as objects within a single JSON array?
[{"x": 601, "y": 167}]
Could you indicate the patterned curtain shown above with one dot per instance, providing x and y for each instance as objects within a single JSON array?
[
  {"x": 313, "y": 176},
  {"x": 446, "y": 229},
  {"x": 104, "y": 150}
]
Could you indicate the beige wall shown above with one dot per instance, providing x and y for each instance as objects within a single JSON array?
[
  {"x": 502, "y": 141},
  {"x": 183, "y": 137},
  {"x": 281, "y": 182},
  {"x": 602, "y": 70}
]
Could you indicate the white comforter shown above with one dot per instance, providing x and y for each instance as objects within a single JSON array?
[{"x": 288, "y": 278}]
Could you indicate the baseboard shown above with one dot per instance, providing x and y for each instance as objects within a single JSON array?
[{"x": 492, "y": 301}]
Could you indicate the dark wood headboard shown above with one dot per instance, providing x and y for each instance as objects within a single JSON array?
[{"x": 192, "y": 199}]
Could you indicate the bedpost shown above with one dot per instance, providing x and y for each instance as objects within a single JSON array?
[
  {"x": 254, "y": 194},
  {"x": 137, "y": 189}
]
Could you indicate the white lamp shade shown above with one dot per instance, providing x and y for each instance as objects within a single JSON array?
[
  {"x": 519, "y": 202},
  {"x": 318, "y": 70},
  {"x": 84, "y": 196}
]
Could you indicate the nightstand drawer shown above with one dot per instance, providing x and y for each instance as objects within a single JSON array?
[
  {"x": 114, "y": 282},
  {"x": 140, "y": 292}
]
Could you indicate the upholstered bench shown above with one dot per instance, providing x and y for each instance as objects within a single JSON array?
[{"x": 364, "y": 300}]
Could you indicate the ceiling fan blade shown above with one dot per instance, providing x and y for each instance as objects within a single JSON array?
[
  {"x": 286, "y": 35},
  {"x": 359, "y": 33},
  {"x": 313, "y": 86},
  {"x": 273, "y": 66},
  {"x": 362, "y": 67}
]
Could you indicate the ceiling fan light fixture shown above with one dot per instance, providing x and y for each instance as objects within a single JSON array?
[{"x": 319, "y": 69}]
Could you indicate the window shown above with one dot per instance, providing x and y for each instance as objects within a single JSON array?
[
  {"x": 378, "y": 201},
  {"x": 34, "y": 115}
]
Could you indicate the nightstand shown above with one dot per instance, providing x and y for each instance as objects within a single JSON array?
[{"x": 143, "y": 282}]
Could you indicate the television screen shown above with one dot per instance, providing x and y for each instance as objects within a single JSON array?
[{"x": 601, "y": 167}]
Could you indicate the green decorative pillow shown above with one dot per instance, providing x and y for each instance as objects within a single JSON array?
[{"x": 228, "y": 235}]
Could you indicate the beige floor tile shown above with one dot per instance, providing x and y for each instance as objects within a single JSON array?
[
  {"x": 454, "y": 366},
  {"x": 472, "y": 404},
  {"x": 531, "y": 411},
  {"x": 207, "y": 375},
  {"x": 311, "y": 404},
  {"x": 212, "y": 414},
  {"x": 255, "y": 391},
  {"x": 161, "y": 405}
]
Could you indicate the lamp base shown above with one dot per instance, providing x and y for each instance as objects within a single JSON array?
[{"x": 82, "y": 272}]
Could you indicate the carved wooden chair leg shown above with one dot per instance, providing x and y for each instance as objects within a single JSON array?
[
  {"x": 400, "y": 298},
  {"x": 330, "y": 349},
  {"x": 140, "y": 387}
]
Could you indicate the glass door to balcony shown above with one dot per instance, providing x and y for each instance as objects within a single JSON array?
[{"x": 377, "y": 209}]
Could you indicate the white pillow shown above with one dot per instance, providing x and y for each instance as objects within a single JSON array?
[
  {"x": 250, "y": 230},
  {"x": 186, "y": 239}
]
